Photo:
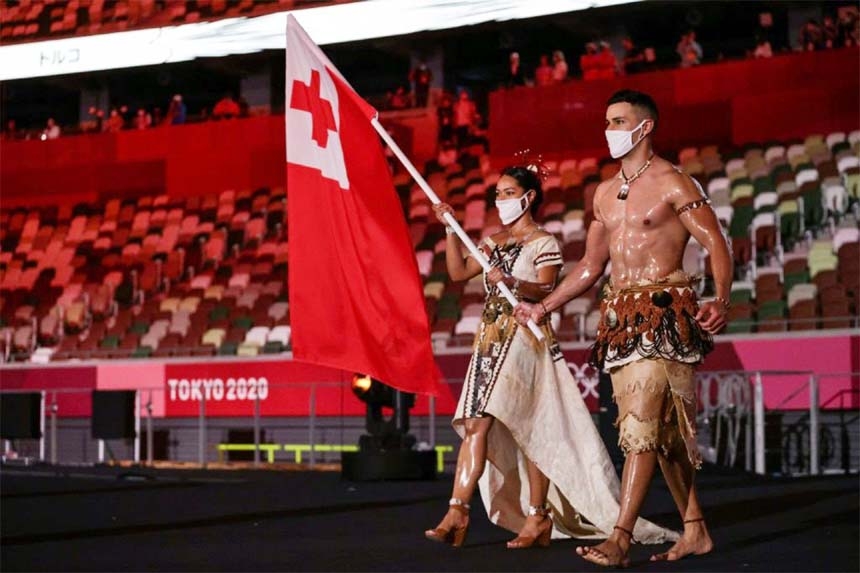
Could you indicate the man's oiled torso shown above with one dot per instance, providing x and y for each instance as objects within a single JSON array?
[{"x": 646, "y": 237}]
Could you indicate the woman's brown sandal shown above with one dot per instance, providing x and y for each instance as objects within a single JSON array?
[
  {"x": 542, "y": 539},
  {"x": 455, "y": 536}
]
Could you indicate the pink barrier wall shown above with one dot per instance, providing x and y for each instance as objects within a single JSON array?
[
  {"x": 284, "y": 387},
  {"x": 734, "y": 102}
]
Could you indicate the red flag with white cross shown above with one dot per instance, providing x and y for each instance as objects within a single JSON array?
[{"x": 356, "y": 299}]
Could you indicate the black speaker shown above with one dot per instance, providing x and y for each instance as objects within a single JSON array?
[
  {"x": 113, "y": 414},
  {"x": 20, "y": 415}
]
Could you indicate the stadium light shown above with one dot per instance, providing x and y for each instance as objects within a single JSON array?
[
  {"x": 386, "y": 451},
  {"x": 384, "y": 433}
]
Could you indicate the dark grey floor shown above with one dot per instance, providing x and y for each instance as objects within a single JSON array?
[{"x": 110, "y": 519}]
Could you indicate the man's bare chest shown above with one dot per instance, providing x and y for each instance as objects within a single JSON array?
[{"x": 637, "y": 213}]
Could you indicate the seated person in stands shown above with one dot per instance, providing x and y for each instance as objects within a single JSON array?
[
  {"x": 226, "y": 107},
  {"x": 515, "y": 76},
  {"x": 634, "y": 58},
  {"x": 143, "y": 119},
  {"x": 11, "y": 131},
  {"x": 52, "y": 130},
  {"x": 115, "y": 122},
  {"x": 543, "y": 73},
  {"x": 589, "y": 62},
  {"x": 689, "y": 50},
  {"x": 608, "y": 65},
  {"x": 559, "y": 67},
  {"x": 763, "y": 49},
  {"x": 811, "y": 36},
  {"x": 399, "y": 99},
  {"x": 176, "y": 111}
]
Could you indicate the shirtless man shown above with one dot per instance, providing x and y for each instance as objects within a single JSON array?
[{"x": 653, "y": 330}]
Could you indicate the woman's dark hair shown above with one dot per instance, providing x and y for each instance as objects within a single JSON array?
[{"x": 529, "y": 181}]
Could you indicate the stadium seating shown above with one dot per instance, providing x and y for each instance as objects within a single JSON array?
[
  {"x": 203, "y": 276},
  {"x": 27, "y": 20}
]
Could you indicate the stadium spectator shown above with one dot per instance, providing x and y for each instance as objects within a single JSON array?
[
  {"x": 52, "y": 130},
  {"x": 811, "y": 36},
  {"x": 465, "y": 116},
  {"x": 421, "y": 77},
  {"x": 11, "y": 132},
  {"x": 399, "y": 99},
  {"x": 143, "y": 120},
  {"x": 849, "y": 27},
  {"x": 226, "y": 108},
  {"x": 543, "y": 73},
  {"x": 97, "y": 118},
  {"x": 176, "y": 111},
  {"x": 607, "y": 64},
  {"x": 115, "y": 122},
  {"x": 830, "y": 33},
  {"x": 515, "y": 75},
  {"x": 447, "y": 154},
  {"x": 559, "y": 67},
  {"x": 689, "y": 50},
  {"x": 634, "y": 58},
  {"x": 765, "y": 31},
  {"x": 589, "y": 62},
  {"x": 445, "y": 117},
  {"x": 763, "y": 48}
]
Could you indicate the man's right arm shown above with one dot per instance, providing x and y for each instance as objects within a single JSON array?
[{"x": 584, "y": 273}]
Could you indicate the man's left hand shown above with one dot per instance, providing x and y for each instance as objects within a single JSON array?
[{"x": 712, "y": 316}]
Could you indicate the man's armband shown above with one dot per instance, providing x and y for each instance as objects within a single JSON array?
[{"x": 693, "y": 205}]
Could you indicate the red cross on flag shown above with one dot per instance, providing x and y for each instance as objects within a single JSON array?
[{"x": 356, "y": 300}]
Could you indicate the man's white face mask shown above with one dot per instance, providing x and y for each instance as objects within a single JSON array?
[{"x": 621, "y": 142}]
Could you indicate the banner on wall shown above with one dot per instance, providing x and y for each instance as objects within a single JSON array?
[{"x": 284, "y": 387}]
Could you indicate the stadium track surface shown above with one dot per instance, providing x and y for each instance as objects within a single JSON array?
[{"x": 134, "y": 519}]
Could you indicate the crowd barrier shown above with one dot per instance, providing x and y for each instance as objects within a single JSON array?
[
  {"x": 731, "y": 421},
  {"x": 231, "y": 385},
  {"x": 740, "y": 381}
]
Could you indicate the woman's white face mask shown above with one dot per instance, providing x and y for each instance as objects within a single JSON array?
[
  {"x": 512, "y": 209},
  {"x": 621, "y": 142}
]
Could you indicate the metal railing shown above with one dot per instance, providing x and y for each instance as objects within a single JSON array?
[
  {"x": 143, "y": 411},
  {"x": 731, "y": 404},
  {"x": 737, "y": 406}
]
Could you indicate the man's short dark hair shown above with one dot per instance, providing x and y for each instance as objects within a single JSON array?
[{"x": 641, "y": 101}]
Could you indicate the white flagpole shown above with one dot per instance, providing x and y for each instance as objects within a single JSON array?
[{"x": 477, "y": 253}]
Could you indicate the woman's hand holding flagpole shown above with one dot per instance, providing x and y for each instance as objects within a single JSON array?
[{"x": 479, "y": 256}]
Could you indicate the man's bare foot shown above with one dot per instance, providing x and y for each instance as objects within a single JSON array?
[
  {"x": 612, "y": 552},
  {"x": 694, "y": 541},
  {"x": 607, "y": 554}
]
